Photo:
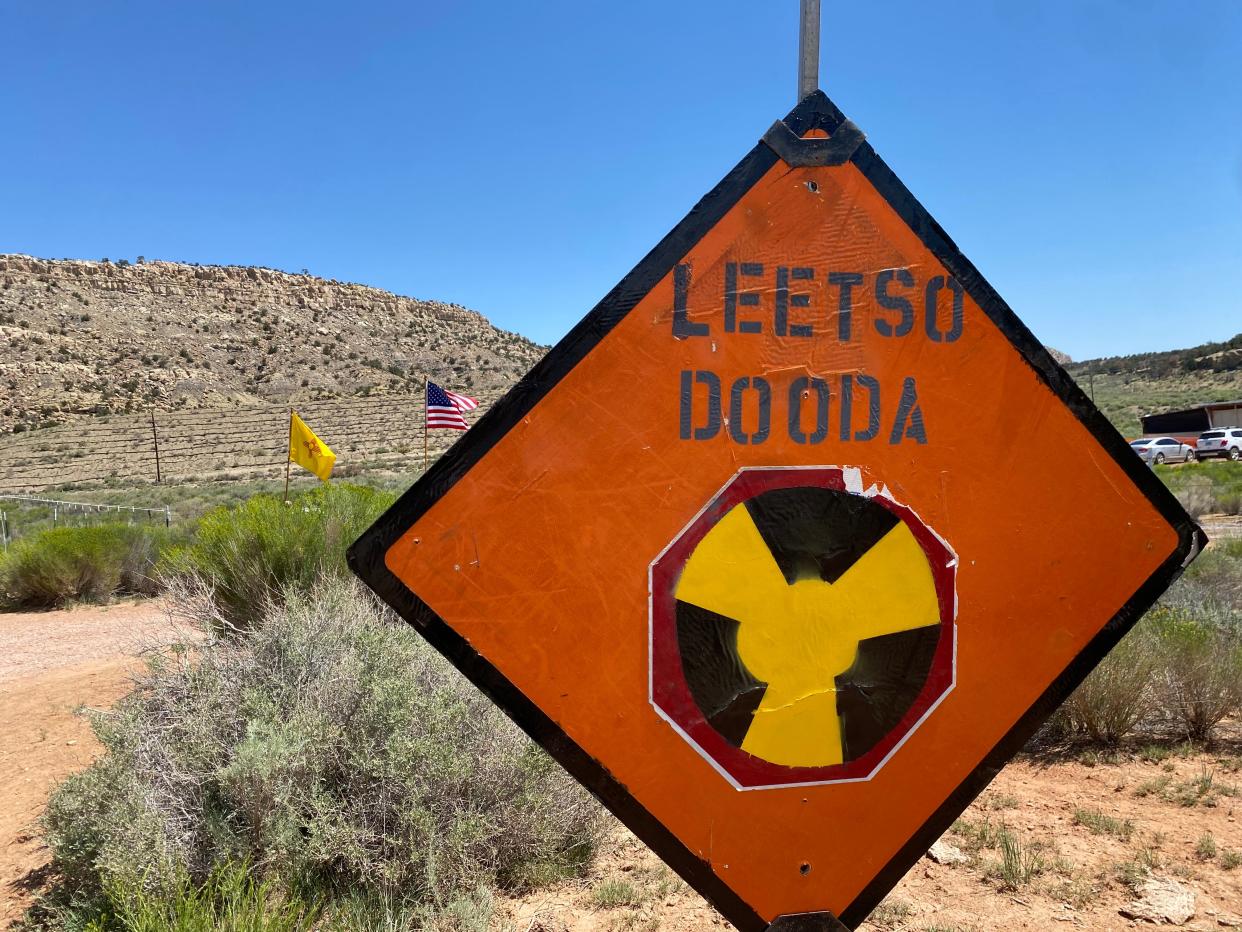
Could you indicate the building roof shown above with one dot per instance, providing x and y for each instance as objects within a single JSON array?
[{"x": 1207, "y": 406}]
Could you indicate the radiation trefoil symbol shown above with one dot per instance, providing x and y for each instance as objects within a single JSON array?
[{"x": 802, "y": 627}]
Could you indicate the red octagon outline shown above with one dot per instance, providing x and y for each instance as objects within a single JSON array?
[{"x": 669, "y": 693}]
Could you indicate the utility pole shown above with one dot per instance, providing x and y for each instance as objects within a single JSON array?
[
  {"x": 288, "y": 458},
  {"x": 808, "y": 49},
  {"x": 155, "y": 437}
]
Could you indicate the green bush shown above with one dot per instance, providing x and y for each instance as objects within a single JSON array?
[
  {"x": 1179, "y": 671},
  {"x": 1198, "y": 497},
  {"x": 1212, "y": 588},
  {"x": 254, "y": 553},
  {"x": 1117, "y": 694},
  {"x": 1199, "y": 625},
  {"x": 332, "y": 749},
  {"x": 86, "y": 564},
  {"x": 1209, "y": 487},
  {"x": 230, "y": 900},
  {"x": 1201, "y": 671}
]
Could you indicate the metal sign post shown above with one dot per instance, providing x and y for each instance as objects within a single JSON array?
[{"x": 808, "y": 48}]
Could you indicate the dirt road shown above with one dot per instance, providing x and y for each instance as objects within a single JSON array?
[{"x": 51, "y": 664}]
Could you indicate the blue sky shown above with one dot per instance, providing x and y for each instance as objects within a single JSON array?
[{"x": 520, "y": 158}]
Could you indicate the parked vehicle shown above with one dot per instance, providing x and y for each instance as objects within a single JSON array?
[
  {"x": 1157, "y": 450},
  {"x": 1223, "y": 441}
]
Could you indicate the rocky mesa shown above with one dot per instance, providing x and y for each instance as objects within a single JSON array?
[{"x": 86, "y": 338}]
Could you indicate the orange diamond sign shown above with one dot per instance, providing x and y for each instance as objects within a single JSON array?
[{"x": 792, "y": 542}]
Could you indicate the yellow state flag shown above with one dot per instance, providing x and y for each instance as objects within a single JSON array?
[{"x": 307, "y": 450}]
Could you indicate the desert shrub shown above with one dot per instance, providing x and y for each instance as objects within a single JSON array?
[
  {"x": 255, "y": 552},
  {"x": 88, "y": 564},
  {"x": 1214, "y": 582},
  {"x": 1197, "y": 497},
  {"x": 1117, "y": 694},
  {"x": 1179, "y": 669},
  {"x": 1200, "y": 681},
  {"x": 1199, "y": 623},
  {"x": 1206, "y": 488},
  {"x": 330, "y": 748}
]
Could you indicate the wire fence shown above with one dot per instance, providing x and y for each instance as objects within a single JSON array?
[
  {"x": 1222, "y": 528},
  {"x": 26, "y": 514},
  {"x": 208, "y": 444}
]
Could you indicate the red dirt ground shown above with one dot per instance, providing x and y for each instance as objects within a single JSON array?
[
  {"x": 52, "y": 664},
  {"x": 1083, "y": 884}
]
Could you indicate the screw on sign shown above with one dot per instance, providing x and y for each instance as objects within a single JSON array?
[{"x": 759, "y": 551}]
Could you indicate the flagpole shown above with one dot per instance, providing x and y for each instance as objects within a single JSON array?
[
  {"x": 287, "y": 457},
  {"x": 424, "y": 424}
]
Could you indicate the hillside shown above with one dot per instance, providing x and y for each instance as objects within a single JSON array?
[
  {"x": 1225, "y": 356},
  {"x": 1148, "y": 383},
  {"x": 93, "y": 338}
]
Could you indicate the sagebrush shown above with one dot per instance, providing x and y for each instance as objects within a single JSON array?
[
  {"x": 328, "y": 747},
  {"x": 1119, "y": 693}
]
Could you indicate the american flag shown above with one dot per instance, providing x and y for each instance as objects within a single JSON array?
[{"x": 445, "y": 408}]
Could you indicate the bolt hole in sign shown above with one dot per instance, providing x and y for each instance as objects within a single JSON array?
[{"x": 760, "y": 551}]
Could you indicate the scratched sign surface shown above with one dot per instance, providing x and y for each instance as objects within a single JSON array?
[{"x": 792, "y": 542}]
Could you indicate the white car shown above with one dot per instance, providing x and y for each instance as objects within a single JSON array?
[
  {"x": 1157, "y": 450},
  {"x": 1223, "y": 441}
]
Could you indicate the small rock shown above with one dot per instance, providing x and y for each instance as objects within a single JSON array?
[
  {"x": 1162, "y": 900},
  {"x": 1229, "y": 921},
  {"x": 944, "y": 853}
]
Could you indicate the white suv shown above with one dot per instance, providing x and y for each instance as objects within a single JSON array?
[{"x": 1224, "y": 441}]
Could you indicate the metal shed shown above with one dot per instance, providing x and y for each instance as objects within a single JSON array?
[{"x": 1194, "y": 420}]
